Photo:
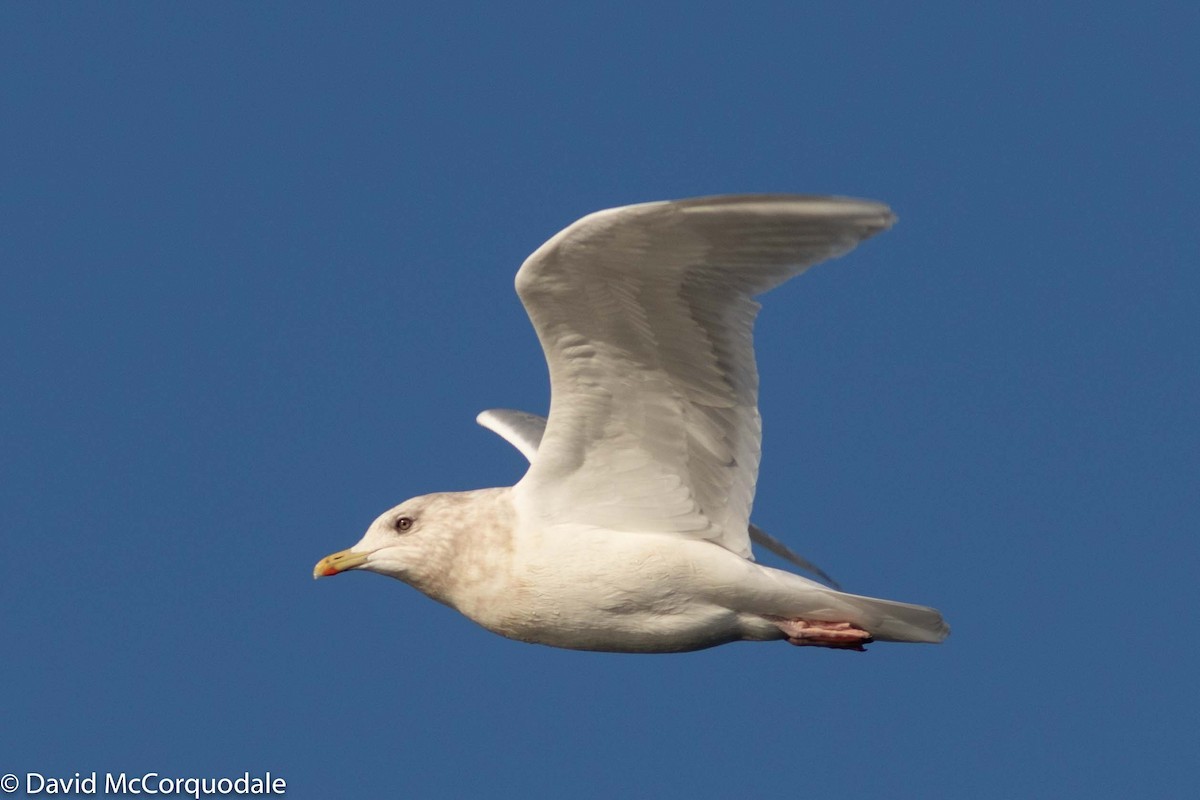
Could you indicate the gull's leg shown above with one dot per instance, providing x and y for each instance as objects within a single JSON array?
[{"x": 816, "y": 633}]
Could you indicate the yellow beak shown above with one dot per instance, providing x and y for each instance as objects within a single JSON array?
[{"x": 338, "y": 562}]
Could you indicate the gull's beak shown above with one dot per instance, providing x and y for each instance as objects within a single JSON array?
[{"x": 339, "y": 562}]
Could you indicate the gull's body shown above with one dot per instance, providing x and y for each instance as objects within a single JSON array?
[{"x": 630, "y": 532}]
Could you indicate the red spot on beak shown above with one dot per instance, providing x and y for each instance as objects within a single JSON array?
[{"x": 330, "y": 570}]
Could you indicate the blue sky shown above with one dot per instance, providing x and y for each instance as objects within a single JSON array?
[{"x": 258, "y": 266}]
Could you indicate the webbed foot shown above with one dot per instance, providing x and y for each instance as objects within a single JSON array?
[{"x": 819, "y": 633}]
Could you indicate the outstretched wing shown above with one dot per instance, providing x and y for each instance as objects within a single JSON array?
[
  {"x": 524, "y": 431},
  {"x": 645, "y": 315}
]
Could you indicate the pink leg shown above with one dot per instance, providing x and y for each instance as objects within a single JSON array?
[{"x": 815, "y": 633}]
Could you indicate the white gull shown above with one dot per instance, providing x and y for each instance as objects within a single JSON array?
[{"x": 630, "y": 531}]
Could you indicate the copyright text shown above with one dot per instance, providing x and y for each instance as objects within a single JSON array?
[{"x": 119, "y": 784}]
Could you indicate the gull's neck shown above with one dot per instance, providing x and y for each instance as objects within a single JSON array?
[{"x": 472, "y": 554}]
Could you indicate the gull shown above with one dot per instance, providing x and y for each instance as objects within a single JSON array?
[{"x": 630, "y": 531}]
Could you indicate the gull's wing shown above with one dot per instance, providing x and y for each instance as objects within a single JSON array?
[
  {"x": 519, "y": 428},
  {"x": 524, "y": 431},
  {"x": 645, "y": 315}
]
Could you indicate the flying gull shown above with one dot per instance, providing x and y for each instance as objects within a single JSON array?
[{"x": 630, "y": 531}]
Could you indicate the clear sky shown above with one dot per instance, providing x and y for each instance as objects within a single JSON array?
[{"x": 257, "y": 281}]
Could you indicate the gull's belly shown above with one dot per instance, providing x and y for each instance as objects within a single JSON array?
[{"x": 623, "y": 593}]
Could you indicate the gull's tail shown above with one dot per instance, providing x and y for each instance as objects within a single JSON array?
[{"x": 890, "y": 621}]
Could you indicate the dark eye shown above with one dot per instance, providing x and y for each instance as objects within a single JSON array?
[{"x": 403, "y": 524}]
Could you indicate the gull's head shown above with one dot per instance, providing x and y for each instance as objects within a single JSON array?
[
  {"x": 398, "y": 542},
  {"x": 421, "y": 540}
]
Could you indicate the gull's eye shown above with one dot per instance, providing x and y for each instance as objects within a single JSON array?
[{"x": 403, "y": 524}]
